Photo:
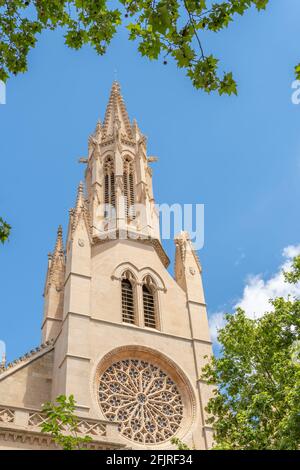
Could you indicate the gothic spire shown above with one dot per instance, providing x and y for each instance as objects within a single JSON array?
[
  {"x": 98, "y": 131},
  {"x": 59, "y": 245},
  {"x": 116, "y": 119},
  {"x": 56, "y": 263},
  {"x": 136, "y": 130}
]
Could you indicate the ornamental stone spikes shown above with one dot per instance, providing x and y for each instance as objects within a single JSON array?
[
  {"x": 54, "y": 289},
  {"x": 188, "y": 271},
  {"x": 79, "y": 211},
  {"x": 93, "y": 143},
  {"x": 184, "y": 245},
  {"x": 56, "y": 264},
  {"x": 98, "y": 131},
  {"x": 137, "y": 134},
  {"x": 79, "y": 203},
  {"x": 59, "y": 245}
]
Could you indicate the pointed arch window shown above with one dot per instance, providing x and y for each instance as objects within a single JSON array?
[
  {"x": 149, "y": 303},
  {"x": 128, "y": 300},
  {"x": 109, "y": 183},
  {"x": 129, "y": 189}
]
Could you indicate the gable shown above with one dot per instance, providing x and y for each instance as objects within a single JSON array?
[{"x": 28, "y": 384}]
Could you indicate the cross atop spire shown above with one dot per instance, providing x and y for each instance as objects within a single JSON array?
[{"x": 116, "y": 121}]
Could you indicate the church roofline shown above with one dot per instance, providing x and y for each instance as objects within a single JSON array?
[{"x": 26, "y": 359}]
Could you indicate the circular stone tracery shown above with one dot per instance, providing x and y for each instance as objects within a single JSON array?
[{"x": 143, "y": 399}]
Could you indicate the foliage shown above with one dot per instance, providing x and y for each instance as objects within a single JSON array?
[
  {"x": 163, "y": 28},
  {"x": 4, "y": 230},
  {"x": 297, "y": 71},
  {"x": 62, "y": 423},
  {"x": 179, "y": 444},
  {"x": 256, "y": 401},
  {"x": 294, "y": 275}
]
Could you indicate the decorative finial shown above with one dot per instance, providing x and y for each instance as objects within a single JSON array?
[
  {"x": 80, "y": 198},
  {"x": 98, "y": 131},
  {"x": 59, "y": 245},
  {"x": 116, "y": 111},
  {"x": 80, "y": 187}
]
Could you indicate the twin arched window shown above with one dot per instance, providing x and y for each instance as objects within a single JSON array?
[
  {"x": 128, "y": 180},
  {"x": 128, "y": 302},
  {"x": 150, "y": 311},
  {"x": 149, "y": 301}
]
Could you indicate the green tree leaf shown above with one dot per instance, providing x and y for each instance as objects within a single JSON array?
[
  {"x": 161, "y": 28},
  {"x": 62, "y": 423},
  {"x": 5, "y": 229},
  {"x": 256, "y": 403}
]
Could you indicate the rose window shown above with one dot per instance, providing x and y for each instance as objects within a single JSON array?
[{"x": 143, "y": 399}]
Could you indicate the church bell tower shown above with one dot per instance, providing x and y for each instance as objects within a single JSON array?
[{"x": 127, "y": 339}]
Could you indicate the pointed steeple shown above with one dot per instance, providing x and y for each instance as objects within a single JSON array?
[
  {"x": 188, "y": 270},
  {"x": 59, "y": 245},
  {"x": 98, "y": 131},
  {"x": 80, "y": 210},
  {"x": 93, "y": 143},
  {"x": 186, "y": 255},
  {"x": 80, "y": 198},
  {"x": 54, "y": 290},
  {"x": 188, "y": 275},
  {"x": 116, "y": 121},
  {"x": 136, "y": 130},
  {"x": 56, "y": 263}
]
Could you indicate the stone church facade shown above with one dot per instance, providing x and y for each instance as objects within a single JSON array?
[{"x": 119, "y": 332}]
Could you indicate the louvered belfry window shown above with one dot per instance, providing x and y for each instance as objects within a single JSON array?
[
  {"x": 128, "y": 309},
  {"x": 109, "y": 182},
  {"x": 149, "y": 306},
  {"x": 129, "y": 190}
]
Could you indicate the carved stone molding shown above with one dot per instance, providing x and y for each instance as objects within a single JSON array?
[{"x": 21, "y": 428}]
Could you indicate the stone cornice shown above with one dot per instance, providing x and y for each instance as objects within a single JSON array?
[
  {"x": 23, "y": 425},
  {"x": 36, "y": 438},
  {"x": 151, "y": 331},
  {"x": 154, "y": 242}
]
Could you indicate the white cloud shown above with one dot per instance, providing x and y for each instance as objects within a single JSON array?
[
  {"x": 216, "y": 321},
  {"x": 258, "y": 291}
]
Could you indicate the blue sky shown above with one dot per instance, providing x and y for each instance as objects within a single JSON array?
[{"x": 240, "y": 156}]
